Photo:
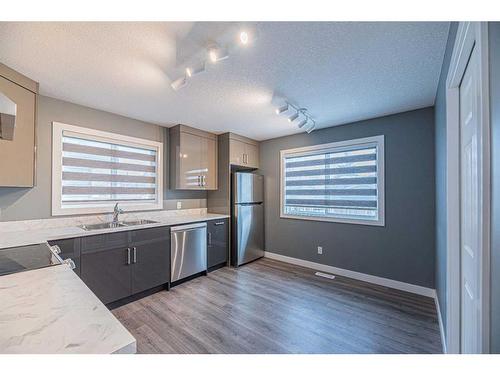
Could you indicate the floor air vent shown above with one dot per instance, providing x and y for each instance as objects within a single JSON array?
[{"x": 325, "y": 275}]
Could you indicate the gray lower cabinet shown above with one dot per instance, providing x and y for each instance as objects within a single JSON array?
[
  {"x": 118, "y": 265},
  {"x": 107, "y": 273},
  {"x": 150, "y": 258},
  {"x": 217, "y": 245}
]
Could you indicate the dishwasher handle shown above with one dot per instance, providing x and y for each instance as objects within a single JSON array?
[{"x": 183, "y": 228}]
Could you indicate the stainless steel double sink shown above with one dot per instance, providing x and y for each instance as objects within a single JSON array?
[{"x": 119, "y": 224}]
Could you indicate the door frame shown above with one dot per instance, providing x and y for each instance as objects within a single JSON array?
[{"x": 469, "y": 35}]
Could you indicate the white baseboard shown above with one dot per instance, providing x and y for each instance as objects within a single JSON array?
[
  {"x": 441, "y": 325},
  {"x": 417, "y": 289}
]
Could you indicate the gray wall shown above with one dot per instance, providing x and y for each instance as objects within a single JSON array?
[
  {"x": 440, "y": 128},
  {"x": 35, "y": 203},
  {"x": 494, "y": 47},
  {"x": 402, "y": 250}
]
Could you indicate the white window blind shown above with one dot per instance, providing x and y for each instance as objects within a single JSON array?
[
  {"x": 340, "y": 181},
  {"x": 96, "y": 170}
]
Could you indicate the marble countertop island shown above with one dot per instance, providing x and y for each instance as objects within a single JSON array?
[{"x": 50, "y": 310}]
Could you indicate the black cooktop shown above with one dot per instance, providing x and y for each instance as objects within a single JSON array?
[{"x": 23, "y": 258}]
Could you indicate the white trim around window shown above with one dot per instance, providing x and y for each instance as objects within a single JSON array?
[
  {"x": 131, "y": 192},
  {"x": 373, "y": 147}
]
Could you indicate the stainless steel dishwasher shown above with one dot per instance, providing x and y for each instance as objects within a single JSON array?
[{"x": 188, "y": 250}]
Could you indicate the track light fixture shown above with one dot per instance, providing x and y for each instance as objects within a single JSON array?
[
  {"x": 192, "y": 71},
  {"x": 244, "y": 38},
  {"x": 293, "y": 117},
  {"x": 179, "y": 83},
  {"x": 311, "y": 127},
  {"x": 300, "y": 113},
  {"x": 282, "y": 109},
  {"x": 302, "y": 123},
  {"x": 215, "y": 53}
]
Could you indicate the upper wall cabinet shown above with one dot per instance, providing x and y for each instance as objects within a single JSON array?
[
  {"x": 17, "y": 128},
  {"x": 243, "y": 151},
  {"x": 193, "y": 159}
]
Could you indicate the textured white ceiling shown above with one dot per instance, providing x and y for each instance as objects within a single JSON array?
[{"x": 341, "y": 72}]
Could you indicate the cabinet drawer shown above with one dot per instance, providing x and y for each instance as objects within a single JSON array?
[
  {"x": 105, "y": 241},
  {"x": 150, "y": 234}
]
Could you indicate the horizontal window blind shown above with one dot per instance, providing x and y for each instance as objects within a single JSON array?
[
  {"x": 332, "y": 183},
  {"x": 101, "y": 171}
]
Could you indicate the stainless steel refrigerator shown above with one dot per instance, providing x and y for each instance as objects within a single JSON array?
[{"x": 247, "y": 218}]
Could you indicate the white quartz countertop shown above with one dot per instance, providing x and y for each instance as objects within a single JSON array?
[
  {"x": 33, "y": 236},
  {"x": 50, "y": 310}
]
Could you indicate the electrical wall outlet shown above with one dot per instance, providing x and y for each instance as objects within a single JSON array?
[
  {"x": 179, "y": 205},
  {"x": 320, "y": 250}
]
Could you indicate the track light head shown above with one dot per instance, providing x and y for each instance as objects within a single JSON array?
[
  {"x": 302, "y": 123},
  {"x": 311, "y": 127},
  {"x": 293, "y": 117},
  {"x": 192, "y": 71},
  {"x": 282, "y": 109},
  {"x": 179, "y": 83},
  {"x": 215, "y": 54},
  {"x": 244, "y": 38}
]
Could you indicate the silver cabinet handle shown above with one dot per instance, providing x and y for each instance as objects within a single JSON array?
[
  {"x": 219, "y": 223},
  {"x": 135, "y": 254},
  {"x": 209, "y": 239},
  {"x": 128, "y": 255}
]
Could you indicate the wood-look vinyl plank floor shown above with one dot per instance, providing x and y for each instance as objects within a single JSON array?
[{"x": 273, "y": 307}]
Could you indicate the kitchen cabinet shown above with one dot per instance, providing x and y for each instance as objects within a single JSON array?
[
  {"x": 243, "y": 151},
  {"x": 18, "y": 96},
  {"x": 193, "y": 159},
  {"x": 70, "y": 248},
  {"x": 217, "y": 242},
  {"x": 118, "y": 265},
  {"x": 150, "y": 258},
  {"x": 107, "y": 272}
]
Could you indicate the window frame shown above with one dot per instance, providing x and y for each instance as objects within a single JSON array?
[
  {"x": 377, "y": 141},
  {"x": 58, "y": 209}
]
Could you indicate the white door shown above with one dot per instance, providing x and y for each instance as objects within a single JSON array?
[{"x": 470, "y": 208}]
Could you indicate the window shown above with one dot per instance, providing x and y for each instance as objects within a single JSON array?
[
  {"x": 92, "y": 170},
  {"x": 340, "y": 182}
]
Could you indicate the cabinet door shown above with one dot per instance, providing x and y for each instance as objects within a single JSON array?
[
  {"x": 217, "y": 246},
  {"x": 251, "y": 155},
  {"x": 190, "y": 161},
  {"x": 107, "y": 273},
  {"x": 151, "y": 265},
  {"x": 70, "y": 248},
  {"x": 236, "y": 151},
  {"x": 209, "y": 163},
  {"x": 17, "y": 155}
]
